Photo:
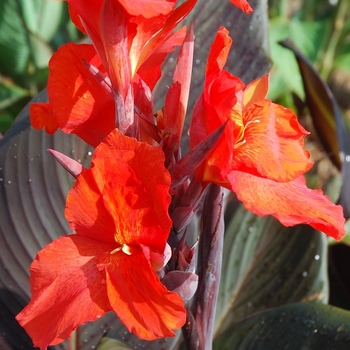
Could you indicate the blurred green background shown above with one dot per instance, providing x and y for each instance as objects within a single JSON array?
[{"x": 30, "y": 32}]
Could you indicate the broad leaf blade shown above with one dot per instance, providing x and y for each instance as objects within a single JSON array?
[
  {"x": 33, "y": 189},
  {"x": 10, "y": 93},
  {"x": 293, "y": 327},
  {"x": 267, "y": 265}
]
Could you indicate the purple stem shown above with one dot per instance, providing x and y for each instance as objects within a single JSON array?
[{"x": 209, "y": 271}]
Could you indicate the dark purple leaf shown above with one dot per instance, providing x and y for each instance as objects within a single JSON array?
[
  {"x": 293, "y": 327},
  {"x": 339, "y": 280},
  {"x": 266, "y": 265},
  {"x": 33, "y": 189},
  {"x": 328, "y": 121}
]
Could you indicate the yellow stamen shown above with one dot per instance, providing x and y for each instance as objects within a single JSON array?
[
  {"x": 115, "y": 250},
  {"x": 240, "y": 141},
  {"x": 124, "y": 248}
]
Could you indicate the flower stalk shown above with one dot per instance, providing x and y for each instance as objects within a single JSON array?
[{"x": 209, "y": 265}]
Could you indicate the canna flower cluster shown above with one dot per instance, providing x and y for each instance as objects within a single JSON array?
[{"x": 139, "y": 190}]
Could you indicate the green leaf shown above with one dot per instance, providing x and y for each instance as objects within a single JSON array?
[
  {"x": 285, "y": 74},
  {"x": 10, "y": 93},
  {"x": 343, "y": 61},
  {"x": 6, "y": 119},
  {"x": 14, "y": 46},
  {"x": 309, "y": 36},
  {"x": 293, "y": 327},
  {"x": 109, "y": 344},
  {"x": 266, "y": 265},
  {"x": 42, "y": 19},
  {"x": 26, "y": 28}
]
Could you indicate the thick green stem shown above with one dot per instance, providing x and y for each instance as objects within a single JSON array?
[{"x": 331, "y": 47}]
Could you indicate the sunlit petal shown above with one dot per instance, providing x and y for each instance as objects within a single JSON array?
[
  {"x": 68, "y": 290},
  {"x": 271, "y": 144},
  {"x": 243, "y": 5},
  {"x": 291, "y": 202},
  {"x": 143, "y": 304},
  {"x": 41, "y": 116},
  {"x": 80, "y": 104}
]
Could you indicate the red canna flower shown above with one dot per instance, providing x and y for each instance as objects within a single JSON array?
[
  {"x": 260, "y": 156},
  {"x": 119, "y": 210},
  {"x": 127, "y": 34},
  {"x": 243, "y": 5},
  {"x": 90, "y": 87},
  {"x": 79, "y": 103}
]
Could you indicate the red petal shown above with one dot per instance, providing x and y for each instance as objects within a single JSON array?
[
  {"x": 161, "y": 35},
  {"x": 124, "y": 196},
  {"x": 142, "y": 303},
  {"x": 243, "y": 5},
  {"x": 167, "y": 121},
  {"x": 182, "y": 74},
  {"x": 41, "y": 116},
  {"x": 136, "y": 222},
  {"x": 74, "y": 16},
  {"x": 256, "y": 90},
  {"x": 150, "y": 69},
  {"x": 272, "y": 144},
  {"x": 140, "y": 168},
  {"x": 291, "y": 202},
  {"x": 86, "y": 211},
  {"x": 114, "y": 35},
  {"x": 148, "y": 8},
  {"x": 218, "y": 54},
  {"x": 88, "y": 20},
  {"x": 219, "y": 162},
  {"x": 80, "y": 104},
  {"x": 68, "y": 290},
  {"x": 222, "y": 95},
  {"x": 90, "y": 14}
]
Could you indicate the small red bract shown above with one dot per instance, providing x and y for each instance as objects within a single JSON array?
[{"x": 243, "y": 5}]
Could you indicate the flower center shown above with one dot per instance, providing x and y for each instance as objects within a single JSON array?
[
  {"x": 240, "y": 140},
  {"x": 124, "y": 248}
]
